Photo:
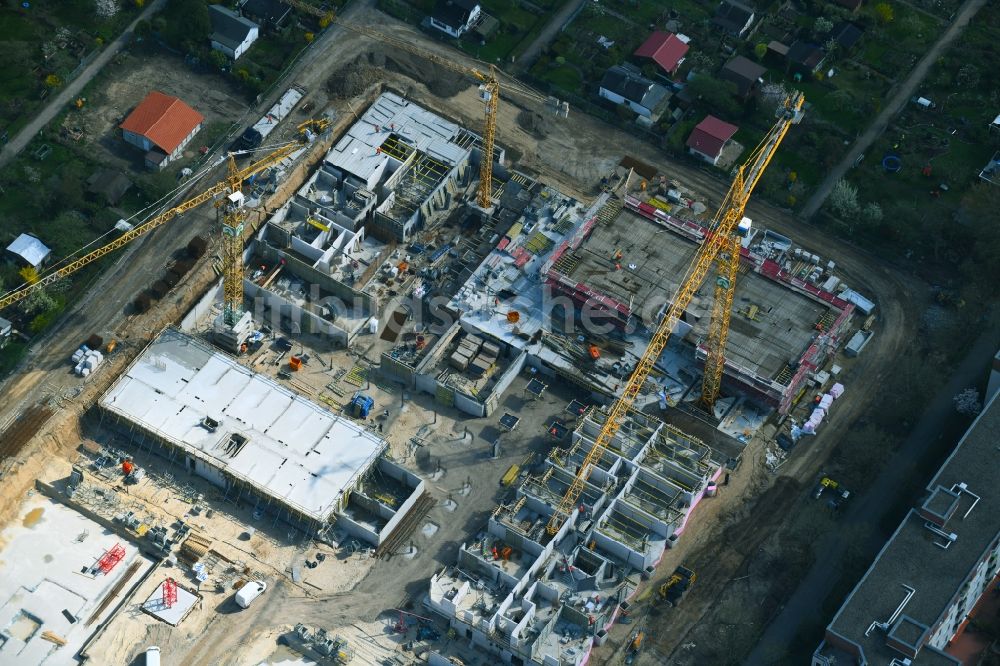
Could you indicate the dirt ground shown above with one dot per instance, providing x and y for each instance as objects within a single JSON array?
[
  {"x": 725, "y": 531},
  {"x": 131, "y": 79}
]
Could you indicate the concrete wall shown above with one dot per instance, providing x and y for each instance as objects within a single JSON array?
[
  {"x": 202, "y": 307},
  {"x": 300, "y": 269},
  {"x": 506, "y": 379},
  {"x": 357, "y": 530},
  {"x": 396, "y": 369},
  {"x": 280, "y": 307},
  {"x": 212, "y": 474},
  {"x": 469, "y": 405}
]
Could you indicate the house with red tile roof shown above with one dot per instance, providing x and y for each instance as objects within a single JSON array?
[
  {"x": 665, "y": 49},
  {"x": 709, "y": 137},
  {"x": 162, "y": 126}
]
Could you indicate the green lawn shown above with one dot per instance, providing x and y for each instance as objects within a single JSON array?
[
  {"x": 566, "y": 77},
  {"x": 892, "y": 49}
]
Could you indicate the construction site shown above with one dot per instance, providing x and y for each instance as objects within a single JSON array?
[{"x": 434, "y": 405}]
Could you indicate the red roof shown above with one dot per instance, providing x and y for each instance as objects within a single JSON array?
[
  {"x": 665, "y": 48},
  {"x": 710, "y": 135},
  {"x": 164, "y": 120}
]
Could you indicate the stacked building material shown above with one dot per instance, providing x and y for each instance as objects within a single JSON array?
[{"x": 86, "y": 360}]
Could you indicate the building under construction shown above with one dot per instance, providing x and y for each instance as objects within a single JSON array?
[
  {"x": 534, "y": 598},
  {"x": 259, "y": 442},
  {"x": 578, "y": 290}
]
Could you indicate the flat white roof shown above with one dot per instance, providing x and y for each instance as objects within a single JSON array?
[
  {"x": 391, "y": 114},
  {"x": 30, "y": 249},
  {"x": 296, "y": 451}
]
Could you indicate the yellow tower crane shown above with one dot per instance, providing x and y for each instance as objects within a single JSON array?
[
  {"x": 723, "y": 242},
  {"x": 232, "y": 242},
  {"x": 489, "y": 92}
]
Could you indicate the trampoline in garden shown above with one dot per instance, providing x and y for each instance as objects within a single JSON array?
[{"x": 892, "y": 163}]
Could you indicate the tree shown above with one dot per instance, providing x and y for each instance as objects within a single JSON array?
[
  {"x": 186, "y": 23},
  {"x": 143, "y": 29},
  {"x": 53, "y": 81},
  {"x": 106, "y": 8},
  {"x": 718, "y": 96},
  {"x": 29, "y": 274},
  {"x": 218, "y": 59},
  {"x": 884, "y": 12},
  {"x": 760, "y": 51},
  {"x": 967, "y": 402},
  {"x": 822, "y": 25},
  {"x": 968, "y": 75},
  {"x": 37, "y": 302},
  {"x": 840, "y": 99},
  {"x": 844, "y": 199},
  {"x": 912, "y": 24},
  {"x": 699, "y": 60},
  {"x": 872, "y": 212},
  {"x": 309, "y": 37}
]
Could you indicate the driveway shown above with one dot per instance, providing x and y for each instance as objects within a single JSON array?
[
  {"x": 806, "y": 603},
  {"x": 903, "y": 94},
  {"x": 547, "y": 34},
  {"x": 73, "y": 88}
]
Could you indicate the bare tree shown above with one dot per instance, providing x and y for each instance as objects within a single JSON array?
[
  {"x": 844, "y": 199},
  {"x": 967, "y": 402}
]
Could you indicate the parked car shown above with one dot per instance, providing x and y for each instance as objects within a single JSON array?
[{"x": 250, "y": 591}]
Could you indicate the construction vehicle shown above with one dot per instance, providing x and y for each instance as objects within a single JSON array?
[
  {"x": 838, "y": 494},
  {"x": 675, "y": 587},
  {"x": 634, "y": 645},
  {"x": 235, "y": 325},
  {"x": 723, "y": 242}
]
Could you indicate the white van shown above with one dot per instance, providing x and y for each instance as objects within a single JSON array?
[
  {"x": 153, "y": 656},
  {"x": 250, "y": 591}
]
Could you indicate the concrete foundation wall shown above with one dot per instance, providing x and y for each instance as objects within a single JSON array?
[
  {"x": 279, "y": 308},
  {"x": 396, "y": 369},
  {"x": 303, "y": 270},
  {"x": 357, "y": 530},
  {"x": 202, "y": 308}
]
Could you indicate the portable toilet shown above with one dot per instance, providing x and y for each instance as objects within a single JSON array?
[{"x": 361, "y": 405}]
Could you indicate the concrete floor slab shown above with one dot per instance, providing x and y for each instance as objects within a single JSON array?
[
  {"x": 44, "y": 561},
  {"x": 174, "y": 613}
]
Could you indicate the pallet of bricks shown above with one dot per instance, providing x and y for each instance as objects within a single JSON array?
[{"x": 474, "y": 356}]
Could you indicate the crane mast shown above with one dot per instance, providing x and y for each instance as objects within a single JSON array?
[
  {"x": 722, "y": 236},
  {"x": 489, "y": 92},
  {"x": 233, "y": 257},
  {"x": 728, "y": 261}
]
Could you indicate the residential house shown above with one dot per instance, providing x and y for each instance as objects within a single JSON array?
[
  {"x": 161, "y": 125},
  {"x": 733, "y": 18},
  {"x": 455, "y": 17},
  {"x": 745, "y": 73},
  {"x": 29, "y": 251},
  {"x": 6, "y": 330},
  {"x": 804, "y": 58},
  {"x": 665, "y": 49},
  {"x": 108, "y": 185},
  {"x": 846, "y": 35},
  {"x": 624, "y": 84},
  {"x": 709, "y": 137},
  {"x": 232, "y": 34},
  {"x": 268, "y": 14}
]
